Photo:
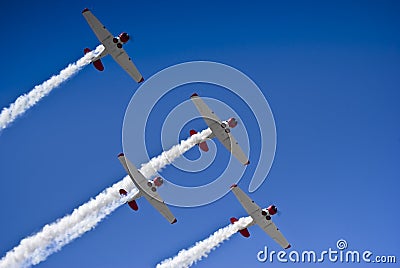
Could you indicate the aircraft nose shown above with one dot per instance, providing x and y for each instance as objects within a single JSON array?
[
  {"x": 124, "y": 37},
  {"x": 232, "y": 122}
]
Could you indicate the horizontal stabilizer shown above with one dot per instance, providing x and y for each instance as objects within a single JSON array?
[
  {"x": 97, "y": 63},
  {"x": 132, "y": 204},
  {"x": 203, "y": 145},
  {"x": 244, "y": 232}
]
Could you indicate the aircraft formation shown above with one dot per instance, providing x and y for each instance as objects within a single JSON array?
[{"x": 221, "y": 130}]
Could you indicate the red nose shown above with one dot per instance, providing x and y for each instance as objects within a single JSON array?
[
  {"x": 272, "y": 210},
  {"x": 158, "y": 181},
  {"x": 124, "y": 37},
  {"x": 232, "y": 122}
]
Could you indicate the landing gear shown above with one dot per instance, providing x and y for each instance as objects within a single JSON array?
[
  {"x": 115, "y": 40},
  {"x": 268, "y": 217},
  {"x": 263, "y": 213},
  {"x": 227, "y": 130},
  {"x": 149, "y": 184},
  {"x": 153, "y": 189},
  {"x": 223, "y": 125},
  {"x": 119, "y": 45}
]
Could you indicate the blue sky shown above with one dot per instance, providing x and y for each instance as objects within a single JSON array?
[{"x": 329, "y": 71}]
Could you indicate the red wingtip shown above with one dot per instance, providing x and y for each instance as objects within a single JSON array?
[
  {"x": 141, "y": 80},
  {"x": 288, "y": 246},
  {"x": 194, "y": 95},
  {"x": 248, "y": 162},
  {"x": 174, "y": 221},
  {"x": 121, "y": 154},
  {"x": 233, "y": 186},
  {"x": 85, "y": 10}
]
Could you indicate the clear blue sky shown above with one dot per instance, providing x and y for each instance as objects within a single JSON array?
[{"x": 330, "y": 71}]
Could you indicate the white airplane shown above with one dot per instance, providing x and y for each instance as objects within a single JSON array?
[
  {"x": 262, "y": 217},
  {"x": 220, "y": 129},
  {"x": 113, "y": 46},
  {"x": 147, "y": 189}
]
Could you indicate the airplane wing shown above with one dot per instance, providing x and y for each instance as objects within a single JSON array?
[
  {"x": 213, "y": 121},
  {"x": 255, "y": 212},
  {"x": 273, "y": 231},
  {"x": 141, "y": 182},
  {"x": 99, "y": 29},
  {"x": 122, "y": 58}
]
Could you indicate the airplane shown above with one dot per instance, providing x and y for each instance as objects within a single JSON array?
[
  {"x": 220, "y": 129},
  {"x": 113, "y": 46},
  {"x": 262, "y": 217},
  {"x": 147, "y": 189}
]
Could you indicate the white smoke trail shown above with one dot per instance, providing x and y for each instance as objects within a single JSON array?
[
  {"x": 188, "y": 257},
  {"x": 26, "y": 101},
  {"x": 36, "y": 248},
  {"x": 167, "y": 157}
]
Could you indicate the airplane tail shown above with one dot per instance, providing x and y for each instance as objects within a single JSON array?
[
  {"x": 97, "y": 63},
  {"x": 203, "y": 145},
  {"x": 132, "y": 204},
  {"x": 244, "y": 232}
]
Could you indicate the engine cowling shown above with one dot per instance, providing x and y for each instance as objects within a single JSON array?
[
  {"x": 272, "y": 210},
  {"x": 244, "y": 232},
  {"x": 158, "y": 181},
  {"x": 232, "y": 122},
  {"x": 124, "y": 37}
]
